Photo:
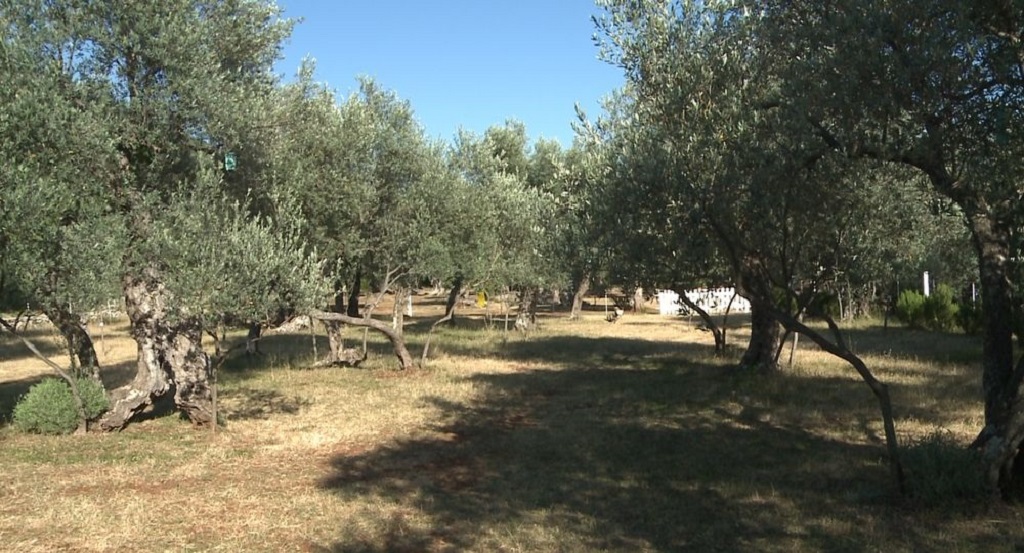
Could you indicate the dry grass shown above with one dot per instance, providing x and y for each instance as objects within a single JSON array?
[{"x": 582, "y": 436}]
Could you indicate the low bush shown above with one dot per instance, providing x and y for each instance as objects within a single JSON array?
[
  {"x": 969, "y": 318},
  {"x": 939, "y": 470},
  {"x": 910, "y": 308},
  {"x": 938, "y": 312},
  {"x": 940, "y": 309},
  {"x": 49, "y": 406}
]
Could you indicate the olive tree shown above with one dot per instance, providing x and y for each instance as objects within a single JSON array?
[{"x": 170, "y": 87}]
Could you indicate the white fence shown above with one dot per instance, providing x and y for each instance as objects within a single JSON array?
[{"x": 713, "y": 300}]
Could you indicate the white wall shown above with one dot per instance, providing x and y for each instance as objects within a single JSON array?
[{"x": 713, "y": 300}]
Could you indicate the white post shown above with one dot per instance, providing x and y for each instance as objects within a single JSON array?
[
  {"x": 408, "y": 307},
  {"x": 927, "y": 285},
  {"x": 974, "y": 294}
]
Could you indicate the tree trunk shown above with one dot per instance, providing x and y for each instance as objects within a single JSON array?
[
  {"x": 532, "y": 308},
  {"x": 709, "y": 322},
  {"x": 1003, "y": 434},
  {"x": 638, "y": 300},
  {"x": 169, "y": 357},
  {"x": 77, "y": 338},
  {"x": 398, "y": 310},
  {"x": 453, "y": 297},
  {"x": 523, "y": 318},
  {"x": 765, "y": 338},
  {"x": 397, "y": 341},
  {"x": 577, "y": 298},
  {"x": 426, "y": 344},
  {"x": 334, "y": 328},
  {"x": 353, "y": 295},
  {"x": 252, "y": 339}
]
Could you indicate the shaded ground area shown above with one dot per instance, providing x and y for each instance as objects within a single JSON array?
[
  {"x": 575, "y": 436},
  {"x": 626, "y": 454}
]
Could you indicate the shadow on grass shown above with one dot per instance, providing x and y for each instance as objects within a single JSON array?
[
  {"x": 251, "y": 403},
  {"x": 936, "y": 347},
  {"x": 612, "y": 459},
  {"x": 607, "y": 351},
  {"x": 10, "y": 392},
  {"x": 44, "y": 337}
]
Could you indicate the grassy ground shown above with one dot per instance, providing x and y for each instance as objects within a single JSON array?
[{"x": 582, "y": 436}]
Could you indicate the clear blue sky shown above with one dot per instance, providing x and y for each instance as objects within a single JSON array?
[{"x": 468, "y": 63}]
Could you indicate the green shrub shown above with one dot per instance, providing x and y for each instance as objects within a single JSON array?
[
  {"x": 940, "y": 309},
  {"x": 969, "y": 318},
  {"x": 939, "y": 470},
  {"x": 910, "y": 308},
  {"x": 49, "y": 406},
  {"x": 938, "y": 312}
]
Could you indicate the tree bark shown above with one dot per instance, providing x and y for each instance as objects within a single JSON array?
[
  {"x": 765, "y": 338},
  {"x": 353, "y": 295},
  {"x": 453, "y": 298},
  {"x": 577, "y": 298},
  {"x": 170, "y": 357},
  {"x": 638, "y": 300},
  {"x": 397, "y": 342},
  {"x": 77, "y": 338},
  {"x": 398, "y": 310},
  {"x": 1001, "y": 438}
]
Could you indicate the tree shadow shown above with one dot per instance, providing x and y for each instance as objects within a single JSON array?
[
  {"x": 44, "y": 337},
  {"x": 614, "y": 459},
  {"x": 899, "y": 341},
  {"x": 609, "y": 351},
  {"x": 255, "y": 404},
  {"x": 11, "y": 391}
]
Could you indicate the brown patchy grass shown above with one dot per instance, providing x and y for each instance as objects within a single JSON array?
[{"x": 581, "y": 436}]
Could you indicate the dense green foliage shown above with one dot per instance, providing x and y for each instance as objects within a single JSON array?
[
  {"x": 49, "y": 407},
  {"x": 940, "y": 311}
]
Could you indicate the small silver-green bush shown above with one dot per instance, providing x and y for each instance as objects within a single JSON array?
[{"x": 49, "y": 406}]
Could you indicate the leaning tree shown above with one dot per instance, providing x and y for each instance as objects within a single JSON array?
[{"x": 936, "y": 86}]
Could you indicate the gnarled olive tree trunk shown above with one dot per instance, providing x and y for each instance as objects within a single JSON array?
[
  {"x": 765, "y": 339},
  {"x": 577, "y": 298},
  {"x": 170, "y": 357},
  {"x": 77, "y": 338},
  {"x": 453, "y": 298}
]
